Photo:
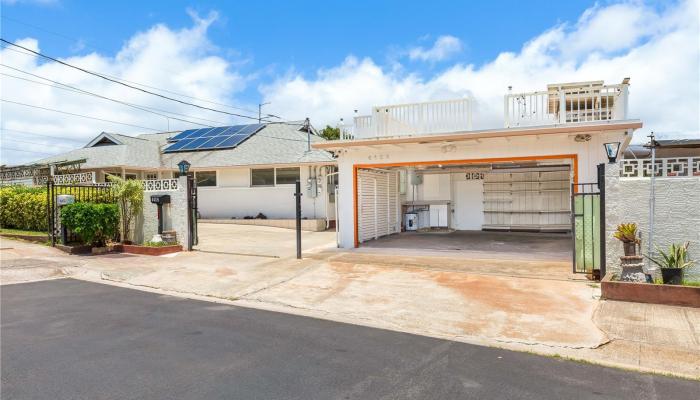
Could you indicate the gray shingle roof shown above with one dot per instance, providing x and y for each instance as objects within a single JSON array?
[{"x": 276, "y": 143}]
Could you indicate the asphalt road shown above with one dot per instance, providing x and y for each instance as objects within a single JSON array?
[{"x": 68, "y": 339}]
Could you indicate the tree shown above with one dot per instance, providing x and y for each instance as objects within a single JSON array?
[
  {"x": 330, "y": 133},
  {"x": 129, "y": 195}
]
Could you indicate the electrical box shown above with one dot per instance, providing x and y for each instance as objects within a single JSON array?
[
  {"x": 160, "y": 199},
  {"x": 312, "y": 188},
  {"x": 65, "y": 199}
]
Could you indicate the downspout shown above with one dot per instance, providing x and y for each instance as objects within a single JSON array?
[{"x": 328, "y": 191}]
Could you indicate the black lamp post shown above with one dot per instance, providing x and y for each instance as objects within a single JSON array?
[
  {"x": 184, "y": 167},
  {"x": 611, "y": 150}
]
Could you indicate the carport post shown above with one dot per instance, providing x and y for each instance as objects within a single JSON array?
[{"x": 297, "y": 194}]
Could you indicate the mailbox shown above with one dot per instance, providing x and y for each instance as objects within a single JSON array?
[{"x": 160, "y": 199}]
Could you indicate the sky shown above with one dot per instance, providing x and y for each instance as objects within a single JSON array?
[{"x": 323, "y": 60}]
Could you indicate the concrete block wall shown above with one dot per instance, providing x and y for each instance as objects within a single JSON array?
[
  {"x": 676, "y": 216},
  {"x": 175, "y": 213}
]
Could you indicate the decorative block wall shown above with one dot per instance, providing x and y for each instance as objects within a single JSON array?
[
  {"x": 676, "y": 216},
  {"x": 175, "y": 213}
]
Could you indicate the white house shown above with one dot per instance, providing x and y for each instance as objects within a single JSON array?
[
  {"x": 423, "y": 165},
  {"x": 251, "y": 170}
]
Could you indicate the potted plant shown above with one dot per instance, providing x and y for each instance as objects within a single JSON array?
[
  {"x": 673, "y": 263},
  {"x": 627, "y": 234},
  {"x": 94, "y": 223}
]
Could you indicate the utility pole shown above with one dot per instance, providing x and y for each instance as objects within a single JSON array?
[{"x": 260, "y": 110}]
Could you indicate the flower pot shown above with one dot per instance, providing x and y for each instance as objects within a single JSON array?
[
  {"x": 630, "y": 248},
  {"x": 672, "y": 276}
]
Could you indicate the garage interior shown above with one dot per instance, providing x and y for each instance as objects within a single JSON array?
[{"x": 511, "y": 210}]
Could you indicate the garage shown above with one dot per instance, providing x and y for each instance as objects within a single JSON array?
[{"x": 511, "y": 196}]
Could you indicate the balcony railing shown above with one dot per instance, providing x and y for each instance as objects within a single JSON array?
[
  {"x": 412, "y": 119},
  {"x": 681, "y": 167},
  {"x": 586, "y": 103}
]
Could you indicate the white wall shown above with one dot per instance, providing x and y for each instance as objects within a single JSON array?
[
  {"x": 589, "y": 155},
  {"x": 676, "y": 216},
  {"x": 234, "y": 197}
]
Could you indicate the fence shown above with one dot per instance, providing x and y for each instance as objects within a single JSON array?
[{"x": 663, "y": 167}]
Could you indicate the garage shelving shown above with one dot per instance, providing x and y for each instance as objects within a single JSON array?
[{"x": 530, "y": 199}]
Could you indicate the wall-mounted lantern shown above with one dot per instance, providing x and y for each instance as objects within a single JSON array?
[
  {"x": 184, "y": 167},
  {"x": 611, "y": 150}
]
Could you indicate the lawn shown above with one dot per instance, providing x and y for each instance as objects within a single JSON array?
[{"x": 7, "y": 231}]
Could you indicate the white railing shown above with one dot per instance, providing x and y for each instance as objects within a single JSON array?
[
  {"x": 81, "y": 177},
  {"x": 566, "y": 105},
  {"x": 413, "y": 119},
  {"x": 681, "y": 167}
]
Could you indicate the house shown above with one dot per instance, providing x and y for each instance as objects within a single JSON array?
[
  {"x": 252, "y": 170},
  {"x": 423, "y": 167}
]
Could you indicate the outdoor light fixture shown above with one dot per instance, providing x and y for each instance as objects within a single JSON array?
[
  {"x": 184, "y": 167},
  {"x": 611, "y": 150}
]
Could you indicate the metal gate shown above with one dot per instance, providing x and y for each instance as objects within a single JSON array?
[
  {"x": 192, "y": 213},
  {"x": 83, "y": 193},
  {"x": 588, "y": 226}
]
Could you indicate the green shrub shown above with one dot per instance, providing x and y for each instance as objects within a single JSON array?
[
  {"x": 93, "y": 223},
  {"x": 23, "y": 208}
]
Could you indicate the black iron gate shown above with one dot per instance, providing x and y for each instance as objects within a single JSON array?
[
  {"x": 192, "y": 213},
  {"x": 82, "y": 193},
  {"x": 588, "y": 226}
]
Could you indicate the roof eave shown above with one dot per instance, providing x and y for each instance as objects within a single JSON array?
[{"x": 483, "y": 134}]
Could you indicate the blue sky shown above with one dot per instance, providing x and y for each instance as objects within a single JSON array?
[{"x": 325, "y": 59}]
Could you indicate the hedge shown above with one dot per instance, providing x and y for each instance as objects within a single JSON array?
[
  {"x": 23, "y": 208},
  {"x": 93, "y": 223}
]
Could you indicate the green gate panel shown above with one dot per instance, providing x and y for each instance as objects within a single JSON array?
[{"x": 587, "y": 232}]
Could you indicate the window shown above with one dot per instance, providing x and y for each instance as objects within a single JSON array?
[
  {"x": 151, "y": 176},
  {"x": 262, "y": 177},
  {"x": 205, "y": 178},
  {"x": 109, "y": 175},
  {"x": 287, "y": 176},
  {"x": 130, "y": 177}
]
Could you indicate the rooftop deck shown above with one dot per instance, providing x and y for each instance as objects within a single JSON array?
[{"x": 560, "y": 104}]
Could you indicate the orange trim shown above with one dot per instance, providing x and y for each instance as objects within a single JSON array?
[{"x": 355, "y": 167}]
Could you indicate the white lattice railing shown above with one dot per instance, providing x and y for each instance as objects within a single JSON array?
[
  {"x": 681, "y": 167},
  {"x": 160, "y": 185},
  {"x": 412, "y": 119},
  {"x": 566, "y": 105},
  {"x": 81, "y": 177}
]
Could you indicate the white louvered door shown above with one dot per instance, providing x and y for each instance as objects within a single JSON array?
[{"x": 378, "y": 204}]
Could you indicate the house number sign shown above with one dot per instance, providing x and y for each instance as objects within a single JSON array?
[{"x": 475, "y": 175}]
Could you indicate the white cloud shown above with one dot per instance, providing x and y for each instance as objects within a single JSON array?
[
  {"x": 444, "y": 47},
  {"x": 182, "y": 60},
  {"x": 658, "y": 50}
]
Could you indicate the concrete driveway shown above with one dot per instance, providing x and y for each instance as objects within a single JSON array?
[{"x": 263, "y": 241}]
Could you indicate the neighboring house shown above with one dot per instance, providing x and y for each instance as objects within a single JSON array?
[
  {"x": 254, "y": 175},
  {"x": 672, "y": 148},
  {"x": 423, "y": 165}
]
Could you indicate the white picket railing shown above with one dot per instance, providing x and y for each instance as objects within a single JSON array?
[
  {"x": 566, "y": 105},
  {"x": 681, "y": 167},
  {"x": 412, "y": 119}
]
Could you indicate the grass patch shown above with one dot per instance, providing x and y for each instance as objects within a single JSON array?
[{"x": 21, "y": 232}]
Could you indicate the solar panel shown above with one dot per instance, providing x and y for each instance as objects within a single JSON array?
[{"x": 223, "y": 137}]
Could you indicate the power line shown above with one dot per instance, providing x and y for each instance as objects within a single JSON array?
[
  {"x": 25, "y": 151},
  {"x": 39, "y": 144},
  {"x": 41, "y": 134},
  {"x": 122, "y": 83},
  {"x": 85, "y": 92},
  {"x": 79, "y": 115},
  {"x": 125, "y": 80}
]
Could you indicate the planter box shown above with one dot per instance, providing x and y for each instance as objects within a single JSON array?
[
  {"x": 149, "y": 250},
  {"x": 75, "y": 248},
  {"x": 673, "y": 295}
]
